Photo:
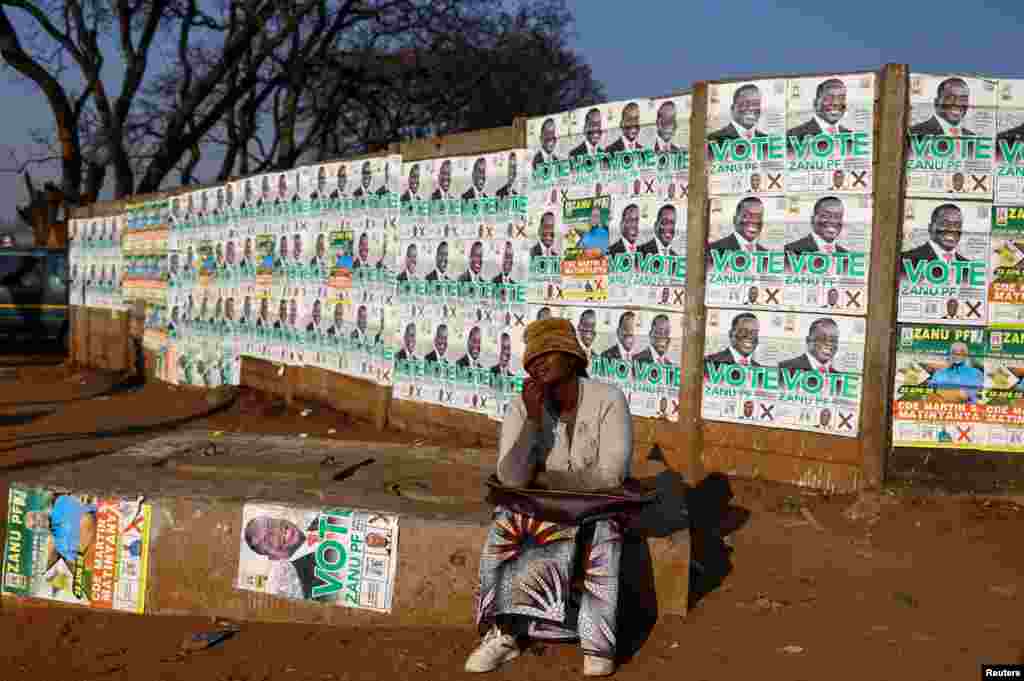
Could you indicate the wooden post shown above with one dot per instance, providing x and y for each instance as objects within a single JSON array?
[
  {"x": 890, "y": 152},
  {"x": 692, "y": 371}
]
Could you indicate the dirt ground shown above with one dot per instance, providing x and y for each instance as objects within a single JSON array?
[{"x": 904, "y": 584}]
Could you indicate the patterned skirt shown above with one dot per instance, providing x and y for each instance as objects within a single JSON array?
[{"x": 561, "y": 581}]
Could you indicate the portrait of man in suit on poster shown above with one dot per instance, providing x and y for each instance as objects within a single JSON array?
[
  {"x": 548, "y": 141},
  {"x": 592, "y": 132},
  {"x": 408, "y": 351},
  {"x": 744, "y": 336},
  {"x": 745, "y": 112},
  {"x": 666, "y": 128},
  {"x": 945, "y": 229},
  {"x": 478, "y": 190},
  {"x": 660, "y": 336},
  {"x": 472, "y": 357},
  {"x": 412, "y": 190},
  {"x": 664, "y": 233},
  {"x": 283, "y": 542},
  {"x": 439, "y": 353},
  {"x": 829, "y": 110},
  {"x": 444, "y": 182},
  {"x": 822, "y": 346},
  {"x": 748, "y": 221},
  {"x": 546, "y": 235},
  {"x": 629, "y": 123},
  {"x": 951, "y": 104},
  {"x": 826, "y": 227},
  {"x": 509, "y": 188}
]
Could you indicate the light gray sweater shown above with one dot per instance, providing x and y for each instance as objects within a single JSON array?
[{"x": 601, "y": 449}]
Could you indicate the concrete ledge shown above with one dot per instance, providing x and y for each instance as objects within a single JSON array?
[{"x": 198, "y": 504}]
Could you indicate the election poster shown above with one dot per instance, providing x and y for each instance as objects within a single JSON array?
[
  {"x": 951, "y": 137},
  {"x": 746, "y": 140},
  {"x": 944, "y": 262},
  {"x": 801, "y": 252},
  {"x": 939, "y": 387},
  {"x": 339, "y": 556},
  {"x": 1004, "y": 391},
  {"x": 1006, "y": 268},
  {"x": 797, "y": 371},
  {"x": 830, "y": 131},
  {"x": 77, "y": 548},
  {"x": 1009, "y": 162}
]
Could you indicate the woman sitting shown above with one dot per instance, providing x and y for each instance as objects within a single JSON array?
[{"x": 546, "y": 580}]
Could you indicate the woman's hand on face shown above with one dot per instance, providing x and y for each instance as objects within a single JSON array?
[{"x": 533, "y": 399}]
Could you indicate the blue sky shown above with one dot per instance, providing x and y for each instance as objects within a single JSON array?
[{"x": 652, "y": 47}]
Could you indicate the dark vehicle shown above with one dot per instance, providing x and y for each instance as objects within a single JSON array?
[{"x": 33, "y": 295}]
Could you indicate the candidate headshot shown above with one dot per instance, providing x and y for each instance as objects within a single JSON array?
[
  {"x": 408, "y": 351},
  {"x": 359, "y": 333},
  {"x": 507, "y": 262},
  {"x": 509, "y": 188},
  {"x": 546, "y": 235},
  {"x": 944, "y": 231},
  {"x": 412, "y": 191},
  {"x": 958, "y": 183},
  {"x": 822, "y": 346},
  {"x": 664, "y": 233},
  {"x": 745, "y": 112},
  {"x": 747, "y": 221},
  {"x": 340, "y": 181},
  {"x": 444, "y": 182},
  {"x": 829, "y": 109},
  {"x": 592, "y": 132},
  {"x": 952, "y": 101},
  {"x": 666, "y": 128},
  {"x": 296, "y": 247},
  {"x": 826, "y": 226},
  {"x": 479, "y": 181},
  {"x": 629, "y": 123},
  {"x": 282, "y": 187},
  {"x": 744, "y": 336},
  {"x": 659, "y": 336},
  {"x": 409, "y": 270},
  {"x": 440, "y": 349},
  {"x": 474, "y": 269},
  {"x": 280, "y": 540},
  {"x": 503, "y": 367},
  {"x": 586, "y": 332},
  {"x": 472, "y": 357},
  {"x": 755, "y": 183},
  {"x": 440, "y": 271},
  {"x": 548, "y": 140},
  {"x": 629, "y": 227},
  {"x": 362, "y": 251}
]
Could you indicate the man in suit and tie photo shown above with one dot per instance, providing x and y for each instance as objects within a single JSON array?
[
  {"x": 409, "y": 271},
  {"x": 548, "y": 140},
  {"x": 440, "y": 351},
  {"x": 592, "y": 132},
  {"x": 755, "y": 183},
  {"x": 944, "y": 231},
  {"x": 626, "y": 338},
  {"x": 826, "y": 226},
  {"x": 546, "y": 234},
  {"x": 281, "y": 541},
  {"x": 664, "y": 233},
  {"x": 666, "y": 128},
  {"x": 829, "y": 109},
  {"x": 297, "y": 248},
  {"x": 586, "y": 332},
  {"x": 509, "y": 188},
  {"x": 629, "y": 228},
  {"x": 472, "y": 357},
  {"x": 340, "y": 182},
  {"x": 474, "y": 271},
  {"x": 952, "y": 101},
  {"x": 822, "y": 346},
  {"x": 282, "y": 252},
  {"x": 318, "y": 263},
  {"x": 408, "y": 351},
  {"x": 745, "y": 113},
  {"x": 263, "y": 319},
  {"x": 507, "y": 262},
  {"x": 660, "y": 336},
  {"x": 629, "y": 123},
  {"x": 336, "y": 329},
  {"x": 315, "y": 318},
  {"x": 479, "y": 181},
  {"x": 444, "y": 182},
  {"x": 748, "y": 221},
  {"x": 362, "y": 252},
  {"x": 503, "y": 368},
  {"x": 359, "y": 333},
  {"x": 282, "y": 315},
  {"x": 363, "y": 190},
  {"x": 321, "y": 184},
  {"x": 412, "y": 191},
  {"x": 440, "y": 271},
  {"x": 744, "y": 334},
  {"x": 246, "y": 311}
]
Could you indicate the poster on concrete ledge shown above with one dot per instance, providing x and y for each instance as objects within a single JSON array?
[
  {"x": 951, "y": 137},
  {"x": 829, "y": 136},
  {"x": 939, "y": 387},
  {"x": 1006, "y": 268},
  {"x": 746, "y": 141},
  {"x": 1009, "y": 169},
  {"x": 944, "y": 262},
  {"x": 77, "y": 548},
  {"x": 802, "y": 252},
  {"x": 340, "y": 556},
  {"x": 797, "y": 371}
]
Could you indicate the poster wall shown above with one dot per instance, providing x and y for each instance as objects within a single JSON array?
[
  {"x": 339, "y": 556},
  {"x": 77, "y": 548},
  {"x": 797, "y": 371},
  {"x": 1009, "y": 149}
]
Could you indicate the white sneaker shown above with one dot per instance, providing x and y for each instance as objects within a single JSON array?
[
  {"x": 597, "y": 666},
  {"x": 495, "y": 649}
]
